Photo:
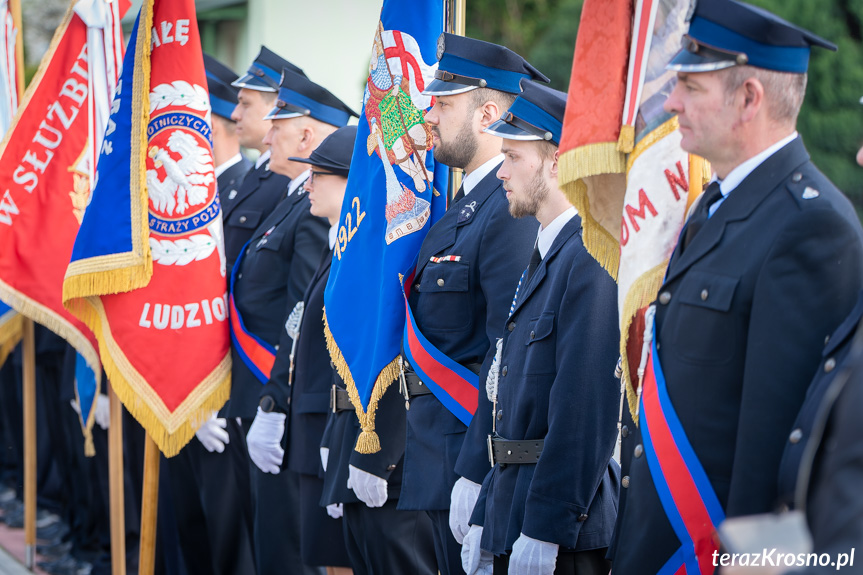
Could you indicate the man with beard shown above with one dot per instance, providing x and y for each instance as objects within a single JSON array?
[
  {"x": 549, "y": 503},
  {"x": 468, "y": 266}
]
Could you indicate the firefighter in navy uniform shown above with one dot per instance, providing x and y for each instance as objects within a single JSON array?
[
  {"x": 467, "y": 268},
  {"x": 768, "y": 265},
  {"x": 550, "y": 501},
  {"x": 262, "y": 188},
  {"x": 270, "y": 277}
]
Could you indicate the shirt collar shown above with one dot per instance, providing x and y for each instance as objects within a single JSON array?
[
  {"x": 298, "y": 181},
  {"x": 472, "y": 179},
  {"x": 546, "y": 236},
  {"x": 740, "y": 173},
  {"x": 262, "y": 158},
  {"x": 332, "y": 234},
  {"x": 220, "y": 169}
]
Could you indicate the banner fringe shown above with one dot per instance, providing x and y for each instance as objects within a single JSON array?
[
  {"x": 368, "y": 440},
  {"x": 599, "y": 243},
  {"x": 106, "y": 282},
  {"x": 626, "y": 140},
  {"x": 590, "y": 160}
]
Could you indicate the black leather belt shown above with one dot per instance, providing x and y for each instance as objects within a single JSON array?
[
  {"x": 340, "y": 400},
  {"x": 513, "y": 451},
  {"x": 411, "y": 384}
]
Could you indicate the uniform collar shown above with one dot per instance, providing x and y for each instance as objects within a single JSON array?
[
  {"x": 298, "y": 181},
  {"x": 332, "y": 234},
  {"x": 262, "y": 159},
  {"x": 223, "y": 167},
  {"x": 740, "y": 173},
  {"x": 546, "y": 236},
  {"x": 472, "y": 179}
]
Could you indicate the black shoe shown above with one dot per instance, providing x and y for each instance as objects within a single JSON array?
[
  {"x": 55, "y": 549},
  {"x": 52, "y": 532},
  {"x": 66, "y": 565}
]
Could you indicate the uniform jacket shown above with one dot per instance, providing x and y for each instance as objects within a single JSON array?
[
  {"x": 560, "y": 346},
  {"x": 272, "y": 277},
  {"x": 256, "y": 198},
  {"x": 309, "y": 395},
  {"x": 230, "y": 181},
  {"x": 460, "y": 306},
  {"x": 340, "y": 437},
  {"x": 830, "y": 423},
  {"x": 741, "y": 320}
]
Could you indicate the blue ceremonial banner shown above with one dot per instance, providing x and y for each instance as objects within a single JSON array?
[{"x": 395, "y": 193}]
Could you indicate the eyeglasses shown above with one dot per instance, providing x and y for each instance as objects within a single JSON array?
[{"x": 315, "y": 174}]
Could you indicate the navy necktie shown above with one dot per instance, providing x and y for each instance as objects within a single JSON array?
[
  {"x": 699, "y": 217},
  {"x": 535, "y": 259}
]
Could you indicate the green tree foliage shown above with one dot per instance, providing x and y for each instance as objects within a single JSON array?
[{"x": 831, "y": 121}]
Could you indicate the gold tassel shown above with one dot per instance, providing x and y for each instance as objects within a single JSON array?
[
  {"x": 590, "y": 160},
  {"x": 626, "y": 141}
]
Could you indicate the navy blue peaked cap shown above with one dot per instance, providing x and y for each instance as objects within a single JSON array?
[
  {"x": 725, "y": 33},
  {"x": 264, "y": 73},
  {"x": 223, "y": 96},
  {"x": 467, "y": 64},
  {"x": 299, "y": 96},
  {"x": 537, "y": 114},
  {"x": 334, "y": 153}
]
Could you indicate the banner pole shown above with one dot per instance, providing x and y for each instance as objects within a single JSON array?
[
  {"x": 15, "y": 10},
  {"x": 115, "y": 484},
  {"x": 29, "y": 377},
  {"x": 456, "y": 11},
  {"x": 149, "y": 506}
]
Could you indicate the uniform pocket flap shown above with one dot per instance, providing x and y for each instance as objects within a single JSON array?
[
  {"x": 708, "y": 290},
  {"x": 247, "y": 219},
  {"x": 444, "y": 277},
  {"x": 541, "y": 327}
]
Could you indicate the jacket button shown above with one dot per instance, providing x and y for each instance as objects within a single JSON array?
[
  {"x": 242, "y": 219},
  {"x": 391, "y": 467},
  {"x": 624, "y": 431},
  {"x": 796, "y": 436},
  {"x": 239, "y": 276},
  {"x": 582, "y": 518},
  {"x": 277, "y": 347},
  {"x": 664, "y": 298},
  {"x": 796, "y": 177},
  {"x": 499, "y": 414},
  {"x": 826, "y": 340},
  {"x": 638, "y": 450},
  {"x": 704, "y": 295},
  {"x": 510, "y": 326},
  {"x": 625, "y": 481},
  {"x": 503, "y": 371},
  {"x": 440, "y": 282},
  {"x": 533, "y": 335},
  {"x": 829, "y": 365}
]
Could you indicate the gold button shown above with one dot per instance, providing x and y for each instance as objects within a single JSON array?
[
  {"x": 440, "y": 282},
  {"x": 796, "y": 436},
  {"x": 242, "y": 219},
  {"x": 829, "y": 365},
  {"x": 664, "y": 298},
  {"x": 703, "y": 295},
  {"x": 638, "y": 450},
  {"x": 625, "y": 481}
]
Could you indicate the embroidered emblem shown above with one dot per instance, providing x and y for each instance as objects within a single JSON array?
[
  {"x": 810, "y": 193},
  {"x": 467, "y": 212},
  {"x": 232, "y": 195}
]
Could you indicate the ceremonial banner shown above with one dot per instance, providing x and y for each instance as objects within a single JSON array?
[
  {"x": 147, "y": 271},
  {"x": 45, "y": 161},
  {"x": 631, "y": 223},
  {"x": 395, "y": 193}
]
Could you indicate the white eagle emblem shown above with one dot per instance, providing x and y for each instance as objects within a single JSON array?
[{"x": 186, "y": 179}]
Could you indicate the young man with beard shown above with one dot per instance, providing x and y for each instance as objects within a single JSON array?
[
  {"x": 549, "y": 503},
  {"x": 271, "y": 275},
  {"x": 468, "y": 264},
  {"x": 767, "y": 267}
]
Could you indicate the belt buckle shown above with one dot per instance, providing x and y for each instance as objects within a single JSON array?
[
  {"x": 490, "y": 443},
  {"x": 333, "y": 396}
]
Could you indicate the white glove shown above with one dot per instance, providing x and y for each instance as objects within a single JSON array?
[
  {"x": 335, "y": 510},
  {"x": 370, "y": 489},
  {"x": 213, "y": 434},
  {"x": 464, "y": 495},
  {"x": 325, "y": 457},
  {"x": 103, "y": 411},
  {"x": 265, "y": 441},
  {"x": 474, "y": 560},
  {"x": 532, "y": 557}
]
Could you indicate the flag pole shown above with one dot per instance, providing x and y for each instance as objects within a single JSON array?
[
  {"x": 149, "y": 505},
  {"x": 29, "y": 352},
  {"x": 455, "y": 24},
  {"x": 115, "y": 484}
]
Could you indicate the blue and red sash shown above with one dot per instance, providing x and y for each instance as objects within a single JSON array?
[
  {"x": 453, "y": 384},
  {"x": 685, "y": 491},
  {"x": 258, "y": 355}
]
